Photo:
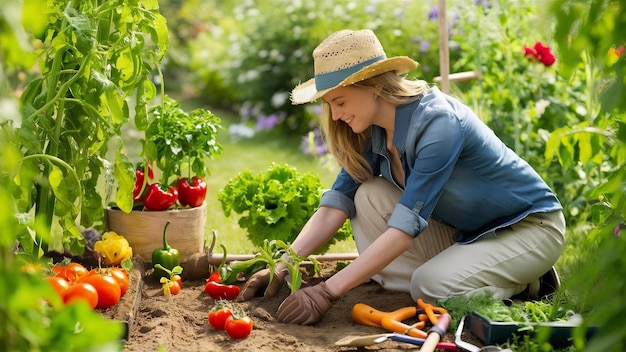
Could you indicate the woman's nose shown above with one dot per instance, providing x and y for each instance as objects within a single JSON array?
[{"x": 335, "y": 115}]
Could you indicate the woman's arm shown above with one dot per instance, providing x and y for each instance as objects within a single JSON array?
[
  {"x": 383, "y": 251},
  {"x": 307, "y": 305},
  {"x": 324, "y": 223}
]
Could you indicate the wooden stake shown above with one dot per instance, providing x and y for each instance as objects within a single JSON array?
[{"x": 444, "y": 55}]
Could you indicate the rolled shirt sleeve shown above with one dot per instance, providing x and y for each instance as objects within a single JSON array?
[{"x": 338, "y": 200}]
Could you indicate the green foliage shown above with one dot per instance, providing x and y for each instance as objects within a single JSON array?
[
  {"x": 526, "y": 314},
  {"x": 293, "y": 261},
  {"x": 593, "y": 27},
  {"x": 275, "y": 204},
  {"x": 598, "y": 143},
  {"x": 30, "y": 323},
  {"x": 496, "y": 310},
  {"x": 266, "y": 256},
  {"x": 32, "y": 315},
  {"x": 179, "y": 141},
  {"x": 269, "y": 254},
  {"x": 93, "y": 57},
  {"x": 256, "y": 60}
]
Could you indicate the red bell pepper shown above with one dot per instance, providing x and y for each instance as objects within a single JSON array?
[
  {"x": 159, "y": 199},
  {"x": 192, "y": 194},
  {"x": 139, "y": 178},
  {"x": 138, "y": 195},
  {"x": 217, "y": 290}
]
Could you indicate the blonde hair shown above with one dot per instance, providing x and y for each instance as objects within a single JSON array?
[{"x": 345, "y": 145}]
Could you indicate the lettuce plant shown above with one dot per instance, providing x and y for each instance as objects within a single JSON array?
[{"x": 274, "y": 204}]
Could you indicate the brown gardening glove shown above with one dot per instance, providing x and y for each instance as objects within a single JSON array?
[
  {"x": 306, "y": 306},
  {"x": 261, "y": 280}
]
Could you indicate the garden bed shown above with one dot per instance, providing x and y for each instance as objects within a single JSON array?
[
  {"x": 126, "y": 309},
  {"x": 180, "y": 323}
]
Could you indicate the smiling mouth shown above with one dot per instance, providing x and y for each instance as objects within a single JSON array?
[{"x": 349, "y": 120}]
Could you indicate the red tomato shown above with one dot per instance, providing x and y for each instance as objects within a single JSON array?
[
  {"x": 218, "y": 316},
  {"x": 238, "y": 328},
  {"x": 121, "y": 276},
  {"x": 175, "y": 288},
  {"x": 108, "y": 289},
  {"x": 71, "y": 272},
  {"x": 81, "y": 291},
  {"x": 59, "y": 284}
]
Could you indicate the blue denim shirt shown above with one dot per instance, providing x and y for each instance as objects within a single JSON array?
[{"x": 456, "y": 171}]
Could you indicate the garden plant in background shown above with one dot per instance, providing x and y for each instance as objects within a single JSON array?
[
  {"x": 521, "y": 97},
  {"x": 179, "y": 144},
  {"x": 33, "y": 315},
  {"x": 255, "y": 60},
  {"x": 92, "y": 59},
  {"x": 589, "y": 36}
]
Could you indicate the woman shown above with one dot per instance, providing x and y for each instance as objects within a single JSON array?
[{"x": 439, "y": 206}]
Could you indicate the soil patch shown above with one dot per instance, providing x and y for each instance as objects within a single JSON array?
[{"x": 180, "y": 323}]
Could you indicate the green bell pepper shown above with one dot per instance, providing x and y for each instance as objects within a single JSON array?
[{"x": 167, "y": 256}]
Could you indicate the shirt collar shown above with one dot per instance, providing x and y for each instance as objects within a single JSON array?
[{"x": 401, "y": 128}]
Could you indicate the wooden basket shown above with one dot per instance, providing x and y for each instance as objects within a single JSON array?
[{"x": 144, "y": 229}]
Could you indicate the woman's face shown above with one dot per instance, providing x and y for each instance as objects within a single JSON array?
[{"x": 356, "y": 106}]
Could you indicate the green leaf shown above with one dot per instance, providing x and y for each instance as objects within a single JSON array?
[
  {"x": 161, "y": 34},
  {"x": 125, "y": 64},
  {"x": 584, "y": 147},
  {"x": 16, "y": 45},
  {"x": 57, "y": 180},
  {"x": 117, "y": 106},
  {"x": 124, "y": 172},
  {"x": 82, "y": 32}
]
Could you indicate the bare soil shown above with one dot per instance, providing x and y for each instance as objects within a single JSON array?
[{"x": 180, "y": 322}]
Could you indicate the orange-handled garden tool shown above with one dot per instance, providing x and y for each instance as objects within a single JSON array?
[
  {"x": 431, "y": 311},
  {"x": 390, "y": 321},
  {"x": 436, "y": 333}
]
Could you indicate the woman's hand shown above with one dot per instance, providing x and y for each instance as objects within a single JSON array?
[
  {"x": 306, "y": 306},
  {"x": 261, "y": 280}
]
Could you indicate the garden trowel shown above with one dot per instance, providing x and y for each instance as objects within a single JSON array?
[{"x": 367, "y": 340}]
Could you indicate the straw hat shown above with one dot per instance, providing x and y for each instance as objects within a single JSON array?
[{"x": 347, "y": 57}]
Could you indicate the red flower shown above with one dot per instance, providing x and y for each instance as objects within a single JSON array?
[{"x": 540, "y": 53}]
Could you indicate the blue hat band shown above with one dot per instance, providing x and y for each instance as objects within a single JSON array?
[{"x": 332, "y": 79}]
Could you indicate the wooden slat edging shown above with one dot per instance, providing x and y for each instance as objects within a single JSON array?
[{"x": 216, "y": 258}]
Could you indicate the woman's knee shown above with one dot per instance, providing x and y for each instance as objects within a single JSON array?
[
  {"x": 377, "y": 194},
  {"x": 427, "y": 285}
]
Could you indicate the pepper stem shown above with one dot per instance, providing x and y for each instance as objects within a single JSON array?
[{"x": 165, "y": 245}]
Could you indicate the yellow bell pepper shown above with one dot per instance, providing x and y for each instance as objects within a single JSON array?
[{"x": 114, "y": 248}]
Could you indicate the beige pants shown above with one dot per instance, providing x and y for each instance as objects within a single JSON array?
[{"x": 437, "y": 268}]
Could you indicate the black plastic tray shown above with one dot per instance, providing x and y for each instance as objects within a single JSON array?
[{"x": 494, "y": 332}]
